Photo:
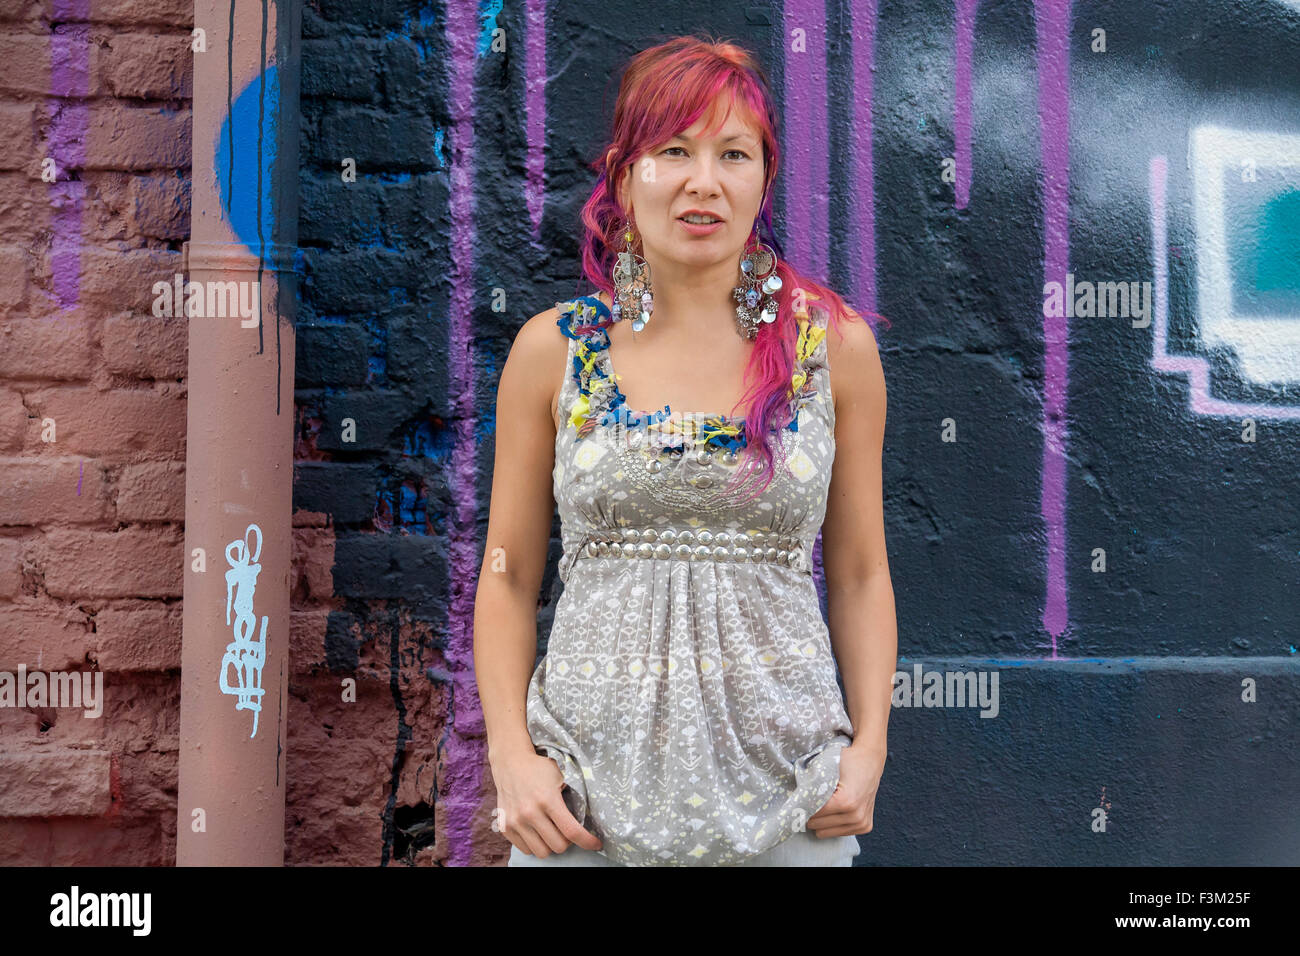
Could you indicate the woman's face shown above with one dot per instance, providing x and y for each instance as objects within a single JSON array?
[{"x": 721, "y": 175}]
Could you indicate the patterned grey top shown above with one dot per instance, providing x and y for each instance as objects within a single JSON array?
[{"x": 689, "y": 690}]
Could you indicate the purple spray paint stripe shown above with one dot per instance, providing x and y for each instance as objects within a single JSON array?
[
  {"x": 535, "y": 112},
  {"x": 1197, "y": 369},
  {"x": 464, "y": 753},
  {"x": 863, "y": 179},
  {"x": 1052, "y": 23},
  {"x": 807, "y": 203},
  {"x": 69, "y": 121}
]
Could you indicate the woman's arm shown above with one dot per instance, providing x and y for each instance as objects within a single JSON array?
[
  {"x": 519, "y": 525},
  {"x": 863, "y": 628},
  {"x": 534, "y": 816}
]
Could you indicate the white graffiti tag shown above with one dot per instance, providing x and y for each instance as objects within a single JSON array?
[{"x": 244, "y": 655}]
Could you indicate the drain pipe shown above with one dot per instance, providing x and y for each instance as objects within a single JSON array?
[{"x": 239, "y": 303}]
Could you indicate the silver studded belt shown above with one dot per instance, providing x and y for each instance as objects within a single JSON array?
[{"x": 694, "y": 545}]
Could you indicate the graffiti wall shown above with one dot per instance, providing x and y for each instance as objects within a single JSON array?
[
  {"x": 95, "y": 117},
  {"x": 1082, "y": 221}
]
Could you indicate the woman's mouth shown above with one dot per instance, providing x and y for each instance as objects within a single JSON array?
[{"x": 698, "y": 225}]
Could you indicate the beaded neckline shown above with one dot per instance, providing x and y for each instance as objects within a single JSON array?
[
  {"x": 607, "y": 357},
  {"x": 601, "y": 401}
]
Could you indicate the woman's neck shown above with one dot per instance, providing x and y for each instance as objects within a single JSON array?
[{"x": 693, "y": 297}]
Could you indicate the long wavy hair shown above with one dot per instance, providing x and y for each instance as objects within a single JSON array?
[{"x": 664, "y": 90}]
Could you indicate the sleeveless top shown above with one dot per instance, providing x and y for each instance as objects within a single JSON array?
[{"x": 688, "y": 693}]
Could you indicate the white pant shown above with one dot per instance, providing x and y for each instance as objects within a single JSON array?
[{"x": 799, "y": 849}]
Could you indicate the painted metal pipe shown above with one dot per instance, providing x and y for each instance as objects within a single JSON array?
[{"x": 239, "y": 301}]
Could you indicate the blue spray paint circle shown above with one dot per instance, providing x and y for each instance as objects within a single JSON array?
[{"x": 254, "y": 145}]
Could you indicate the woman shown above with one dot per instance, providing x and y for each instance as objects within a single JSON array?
[{"x": 687, "y": 711}]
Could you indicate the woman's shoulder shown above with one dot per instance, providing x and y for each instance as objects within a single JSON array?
[
  {"x": 538, "y": 347},
  {"x": 852, "y": 357},
  {"x": 853, "y": 334},
  {"x": 546, "y": 335},
  {"x": 537, "y": 358}
]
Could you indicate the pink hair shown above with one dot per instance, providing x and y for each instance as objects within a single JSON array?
[{"x": 664, "y": 90}]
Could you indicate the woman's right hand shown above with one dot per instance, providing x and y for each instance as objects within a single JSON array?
[{"x": 534, "y": 816}]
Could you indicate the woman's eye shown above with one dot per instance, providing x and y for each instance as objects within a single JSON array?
[{"x": 740, "y": 153}]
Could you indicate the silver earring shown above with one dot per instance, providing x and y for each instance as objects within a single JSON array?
[
  {"x": 632, "y": 289},
  {"x": 759, "y": 282}
]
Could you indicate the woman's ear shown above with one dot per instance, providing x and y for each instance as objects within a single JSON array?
[{"x": 620, "y": 192}]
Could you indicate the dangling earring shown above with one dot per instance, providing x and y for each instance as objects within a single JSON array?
[
  {"x": 632, "y": 290},
  {"x": 759, "y": 282}
]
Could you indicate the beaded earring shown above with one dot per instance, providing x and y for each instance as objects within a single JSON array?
[
  {"x": 759, "y": 282},
  {"x": 632, "y": 289}
]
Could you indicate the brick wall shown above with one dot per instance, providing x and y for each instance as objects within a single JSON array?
[
  {"x": 389, "y": 778},
  {"x": 91, "y": 523}
]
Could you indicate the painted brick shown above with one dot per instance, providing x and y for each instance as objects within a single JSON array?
[
  {"x": 152, "y": 491},
  {"x": 329, "y": 207},
  {"x": 343, "y": 491},
  {"x": 49, "y": 347},
  {"x": 25, "y": 212},
  {"x": 31, "y": 15},
  {"x": 15, "y": 267},
  {"x": 74, "y": 727},
  {"x": 133, "y": 562},
  {"x": 26, "y": 60},
  {"x": 53, "y": 491},
  {"x": 115, "y": 423},
  {"x": 11, "y": 570},
  {"x": 106, "y": 209},
  {"x": 307, "y": 629},
  {"x": 148, "y": 782},
  {"x": 339, "y": 68},
  {"x": 140, "y": 636},
  {"x": 313, "y": 563},
  {"x": 381, "y": 141},
  {"x": 145, "y": 346},
  {"x": 43, "y": 637},
  {"x": 377, "y": 417},
  {"x": 169, "y": 14},
  {"x": 61, "y": 770},
  {"x": 121, "y": 137},
  {"x": 374, "y": 16},
  {"x": 143, "y": 711},
  {"x": 137, "y": 65},
  {"x": 160, "y": 207},
  {"x": 333, "y": 355},
  {"x": 13, "y": 417},
  {"x": 361, "y": 280},
  {"x": 417, "y": 564},
  {"x": 89, "y": 842},
  {"x": 18, "y": 133},
  {"x": 25, "y": 841},
  {"x": 114, "y": 280}
]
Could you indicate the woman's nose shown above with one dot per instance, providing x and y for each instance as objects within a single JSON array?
[{"x": 703, "y": 177}]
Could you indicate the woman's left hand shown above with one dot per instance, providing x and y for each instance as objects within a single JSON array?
[{"x": 852, "y": 807}]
